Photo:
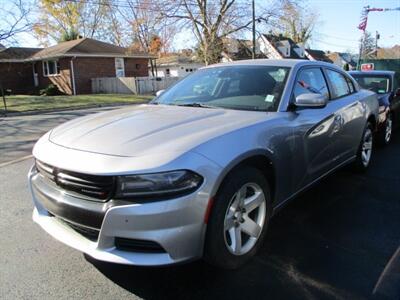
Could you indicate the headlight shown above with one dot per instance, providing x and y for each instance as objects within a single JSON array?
[{"x": 168, "y": 184}]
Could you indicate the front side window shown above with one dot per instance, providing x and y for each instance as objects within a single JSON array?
[
  {"x": 339, "y": 83},
  {"x": 257, "y": 88},
  {"x": 311, "y": 80},
  {"x": 377, "y": 84},
  {"x": 51, "y": 68}
]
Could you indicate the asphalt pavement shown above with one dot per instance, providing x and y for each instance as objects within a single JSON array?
[
  {"x": 336, "y": 241},
  {"x": 18, "y": 134}
]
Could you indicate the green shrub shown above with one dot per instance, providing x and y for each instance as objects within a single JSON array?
[{"x": 50, "y": 90}]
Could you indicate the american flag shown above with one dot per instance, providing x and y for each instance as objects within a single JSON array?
[{"x": 364, "y": 15}]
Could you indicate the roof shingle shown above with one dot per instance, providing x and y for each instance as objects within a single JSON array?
[{"x": 17, "y": 53}]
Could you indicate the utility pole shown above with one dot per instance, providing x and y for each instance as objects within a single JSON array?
[
  {"x": 377, "y": 37},
  {"x": 253, "y": 52},
  {"x": 4, "y": 98},
  {"x": 361, "y": 51}
]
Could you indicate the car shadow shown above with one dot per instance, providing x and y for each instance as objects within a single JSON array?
[{"x": 332, "y": 242}]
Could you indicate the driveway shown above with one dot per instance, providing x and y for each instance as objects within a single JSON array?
[{"x": 19, "y": 134}]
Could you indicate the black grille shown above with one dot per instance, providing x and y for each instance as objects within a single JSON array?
[
  {"x": 138, "y": 245},
  {"x": 92, "y": 187}
]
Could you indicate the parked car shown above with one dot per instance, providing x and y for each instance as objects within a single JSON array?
[
  {"x": 384, "y": 84},
  {"x": 200, "y": 171}
]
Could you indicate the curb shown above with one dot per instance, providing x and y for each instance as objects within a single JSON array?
[{"x": 46, "y": 111}]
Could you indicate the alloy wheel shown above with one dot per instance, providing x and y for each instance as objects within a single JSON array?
[
  {"x": 244, "y": 219},
  {"x": 388, "y": 129},
  {"x": 366, "y": 149}
]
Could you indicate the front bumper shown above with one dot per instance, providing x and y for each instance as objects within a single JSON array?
[{"x": 177, "y": 225}]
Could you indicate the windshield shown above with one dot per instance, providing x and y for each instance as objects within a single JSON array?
[
  {"x": 257, "y": 88},
  {"x": 377, "y": 84}
]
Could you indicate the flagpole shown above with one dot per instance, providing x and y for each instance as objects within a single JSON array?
[{"x": 361, "y": 51}]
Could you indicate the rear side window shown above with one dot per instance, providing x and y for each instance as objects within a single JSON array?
[
  {"x": 311, "y": 80},
  {"x": 340, "y": 86}
]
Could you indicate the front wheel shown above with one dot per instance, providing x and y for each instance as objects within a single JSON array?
[
  {"x": 364, "y": 153},
  {"x": 240, "y": 216},
  {"x": 385, "y": 134}
]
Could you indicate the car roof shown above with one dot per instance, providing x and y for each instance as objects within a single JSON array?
[
  {"x": 273, "y": 62},
  {"x": 380, "y": 72}
]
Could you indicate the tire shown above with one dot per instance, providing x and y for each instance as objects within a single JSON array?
[
  {"x": 365, "y": 150},
  {"x": 385, "y": 134},
  {"x": 229, "y": 211}
]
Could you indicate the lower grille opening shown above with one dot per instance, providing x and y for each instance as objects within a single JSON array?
[
  {"x": 89, "y": 233},
  {"x": 134, "y": 245}
]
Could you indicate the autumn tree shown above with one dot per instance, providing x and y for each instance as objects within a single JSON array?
[
  {"x": 146, "y": 25},
  {"x": 61, "y": 20},
  {"x": 296, "y": 21}
]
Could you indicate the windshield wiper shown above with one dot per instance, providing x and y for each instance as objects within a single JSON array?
[{"x": 195, "y": 104}]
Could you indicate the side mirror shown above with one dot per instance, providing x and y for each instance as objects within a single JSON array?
[
  {"x": 397, "y": 94},
  {"x": 158, "y": 93},
  {"x": 311, "y": 100}
]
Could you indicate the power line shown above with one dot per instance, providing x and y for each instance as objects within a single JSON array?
[
  {"x": 336, "y": 37},
  {"x": 335, "y": 45},
  {"x": 139, "y": 5}
]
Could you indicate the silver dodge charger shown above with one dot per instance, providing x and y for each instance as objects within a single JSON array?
[{"x": 200, "y": 170}]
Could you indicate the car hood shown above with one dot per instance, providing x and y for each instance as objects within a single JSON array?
[{"x": 146, "y": 129}]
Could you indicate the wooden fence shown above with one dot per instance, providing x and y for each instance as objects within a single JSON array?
[{"x": 131, "y": 85}]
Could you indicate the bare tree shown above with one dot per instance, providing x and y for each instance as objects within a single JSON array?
[
  {"x": 367, "y": 46},
  {"x": 14, "y": 19},
  {"x": 297, "y": 22},
  {"x": 211, "y": 21}
]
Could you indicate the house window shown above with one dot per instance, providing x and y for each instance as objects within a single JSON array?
[
  {"x": 51, "y": 67},
  {"x": 119, "y": 67},
  {"x": 167, "y": 72}
]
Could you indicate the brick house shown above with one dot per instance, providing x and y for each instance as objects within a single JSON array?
[{"x": 69, "y": 65}]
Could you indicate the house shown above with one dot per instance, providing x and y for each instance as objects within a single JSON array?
[
  {"x": 280, "y": 47},
  {"x": 15, "y": 72},
  {"x": 313, "y": 54},
  {"x": 341, "y": 59},
  {"x": 388, "y": 53},
  {"x": 69, "y": 65},
  {"x": 239, "y": 49},
  {"x": 177, "y": 65}
]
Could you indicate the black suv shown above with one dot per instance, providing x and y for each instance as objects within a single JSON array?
[{"x": 383, "y": 83}]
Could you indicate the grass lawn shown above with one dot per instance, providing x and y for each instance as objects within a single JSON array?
[{"x": 20, "y": 103}]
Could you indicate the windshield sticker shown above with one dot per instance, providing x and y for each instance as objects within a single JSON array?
[{"x": 269, "y": 98}]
